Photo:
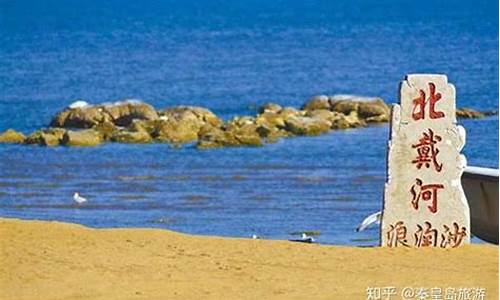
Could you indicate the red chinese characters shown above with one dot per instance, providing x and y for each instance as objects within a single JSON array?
[
  {"x": 427, "y": 151},
  {"x": 425, "y": 192},
  {"x": 396, "y": 235},
  {"x": 453, "y": 237},
  {"x": 421, "y": 102},
  {"x": 426, "y": 236}
]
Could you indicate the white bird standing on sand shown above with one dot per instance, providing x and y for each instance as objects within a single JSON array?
[
  {"x": 307, "y": 238},
  {"x": 304, "y": 239},
  {"x": 373, "y": 218},
  {"x": 79, "y": 199}
]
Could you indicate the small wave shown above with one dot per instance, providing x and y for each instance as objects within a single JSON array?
[
  {"x": 196, "y": 198},
  {"x": 136, "y": 178}
]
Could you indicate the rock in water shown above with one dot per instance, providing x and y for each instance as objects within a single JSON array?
[
  {"x": 106, "y": 129},
  {"x": 182, "y": 124},
  {"x": 270, "y": 107},
  {"x": 237, "y": 132},
  {"x": 82, "y": 138},
  {"x": 119, "y": 113},
  {"x": 317, "y": 102},
  {"x": 469, "y": 113},
  {"x": 369, "y": 109},
  {"x": 132, "y": 137},
  {"x": 307, "y": 125},
  {"x": 46, "y": 137},
  {"x": 12, "y": 136}
]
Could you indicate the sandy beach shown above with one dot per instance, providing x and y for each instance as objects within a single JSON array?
[{"x": 51, "y": 260}]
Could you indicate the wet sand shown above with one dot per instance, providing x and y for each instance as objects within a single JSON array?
[{"x": 51, "y": 260}]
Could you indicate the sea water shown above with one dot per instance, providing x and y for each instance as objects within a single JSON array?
[{"x": 230, "y": 58}]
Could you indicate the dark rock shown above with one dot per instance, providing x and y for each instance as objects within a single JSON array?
[
  {"x": 106, "y": 129},
  {"x": 47, "y": 137}
]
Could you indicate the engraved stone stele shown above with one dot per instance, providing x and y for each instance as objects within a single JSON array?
[{"x": 424, "y": 204}]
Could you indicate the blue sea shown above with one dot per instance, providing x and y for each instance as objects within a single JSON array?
[{"x": 231, "y": 57}]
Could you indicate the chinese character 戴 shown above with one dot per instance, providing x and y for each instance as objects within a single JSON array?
[
  {"x": 396, "y": 235},
  {"x": 427, "y": 152},
  {"x": 426, "y": 237},
  {"x": 453, "y": 238},
  {"x": 419, "y": 103},
  {"x": 425, "y": 192}
]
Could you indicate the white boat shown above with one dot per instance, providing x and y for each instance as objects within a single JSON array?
[{"x": 481, "y": 189}]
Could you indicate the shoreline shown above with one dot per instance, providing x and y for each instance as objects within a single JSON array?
[{"x": 53, "y": 260}]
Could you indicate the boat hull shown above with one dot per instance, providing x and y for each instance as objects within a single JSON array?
[{"x": 481, "y": 189}]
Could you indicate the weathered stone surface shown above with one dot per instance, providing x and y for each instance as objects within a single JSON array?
[
  {"x": 106, "y": 129},
  {"x": 82, "y": 138},
  {"x": 270, "y": 119},
  {"x": 182, "y": 124},
  {"x": 119, "y": 113},
  {"x": 176, "y": 131},
  {"x": 215, "y": 137},
  {"x": 424, "y": 204},
  {"x": 12, "y": 136},
  {"x": 289, "y": 112},
  {"x": 374, "y": 111},
  {"x": 270, "y": 107},
  {"x": 323, "y": 114},
  {"x": 317, "y": 102},
  {"x": 307, "y": 125},
  {"x": 246, "y": 134},
  {"x": 47, "y": 137},
  {"x": 369, "y": 109},
  {"x": 131, "y": 137},
  {"x": 201, "y": 114},
  {"x": 342, "y": 121},
  {"x": 237, "y": 132}
]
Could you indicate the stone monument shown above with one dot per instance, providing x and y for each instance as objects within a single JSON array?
[{"x": 424, "y": 204}]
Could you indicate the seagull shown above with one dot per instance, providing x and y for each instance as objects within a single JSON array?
[
  {"x": 304, "y": 239},
  {"x": 79, "y": 199},
  {"x": 373, "y": 218}
]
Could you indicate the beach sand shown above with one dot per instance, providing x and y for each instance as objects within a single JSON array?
[{"x": 51, "y": 260}]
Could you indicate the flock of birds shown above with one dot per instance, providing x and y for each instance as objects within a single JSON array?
[{"x": 371, "y": 219}]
